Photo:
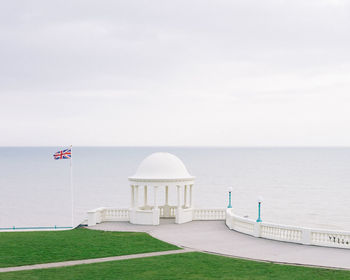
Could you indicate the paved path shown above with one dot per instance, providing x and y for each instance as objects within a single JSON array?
[
  {"x": 71, "y": 263},
  {"x": 215, "y": 237}
]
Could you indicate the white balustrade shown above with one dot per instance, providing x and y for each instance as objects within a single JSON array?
[
  {"x": 104, "y": 214},
  {"x": 307, "y": 236},
  {"x": 319, "y": 237},
  {"x": 280, "y": 232},
  {"x": 167, "y": 211},
  {"x": 115, "y": 214},
  {"x": 208, "y": 214},
  {"x": 339, "y": 239},
  {"x": 172, "y": 211}
]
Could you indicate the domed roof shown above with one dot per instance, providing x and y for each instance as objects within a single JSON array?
[{"x": 161, "y": 167}]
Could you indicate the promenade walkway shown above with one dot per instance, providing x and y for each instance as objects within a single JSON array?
[{"x": 215, "y": 237}]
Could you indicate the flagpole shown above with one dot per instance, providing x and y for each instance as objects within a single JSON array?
[{"x": 71, "y": 183}]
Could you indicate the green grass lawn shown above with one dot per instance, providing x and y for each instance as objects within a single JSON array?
[
  {"x": 22, "y": 248},
  {"x": 181, "y": 266}
]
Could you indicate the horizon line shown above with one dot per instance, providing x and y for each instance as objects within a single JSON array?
[{"x": 179, "y": 146}]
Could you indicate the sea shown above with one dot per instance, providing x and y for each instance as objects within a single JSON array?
[{"x": 307, "y": 187}]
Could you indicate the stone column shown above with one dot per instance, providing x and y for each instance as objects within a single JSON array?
[
  {"x": 137, "y": 196},
  {"x": 155, "y": 197},
  {"x": 178, "y": 197},
  {"x": 166, "y": 195},
  {"x": 145, "y": 195},
  {"x": 132, "y": 196},
  {"x": 156, "y": 210},
  {"x": 185, "y": 196}
]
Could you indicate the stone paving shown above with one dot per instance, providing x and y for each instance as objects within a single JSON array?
[
  {"x": 97, "y": 260},
  {"x": 215, "y": 237}
]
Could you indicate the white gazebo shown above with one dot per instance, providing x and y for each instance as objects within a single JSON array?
[{"x": 161, "y": 173}]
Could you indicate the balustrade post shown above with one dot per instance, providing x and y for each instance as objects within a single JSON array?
[
  {"x": 229, "y": 218},
  {"x": 92, "y": 218},
  {"x": 306, "y": 236}
]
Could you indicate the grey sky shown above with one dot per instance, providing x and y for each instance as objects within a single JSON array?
[{"x": 233, "y": 73}]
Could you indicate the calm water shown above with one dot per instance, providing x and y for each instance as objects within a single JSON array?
[{"x": 300, "y": 186}]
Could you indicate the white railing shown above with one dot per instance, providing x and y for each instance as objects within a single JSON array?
[
  {"x": 167, "y": 211},
  {"x": 104, "y": 214},
  {"x": 307, "y": 236},
  {"x": 110, "y": 214},
  {"x": 330, "y": 238},
  {"x": 281, "y": 233},
  {"x": 208, "y": 214}
]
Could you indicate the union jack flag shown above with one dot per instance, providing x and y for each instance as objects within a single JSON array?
[{"x": 64, "y": 154}]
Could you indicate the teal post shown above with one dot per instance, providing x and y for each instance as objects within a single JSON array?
[
  {"x": 259, "y": 210},
  {"x": 229, "y": 199}
]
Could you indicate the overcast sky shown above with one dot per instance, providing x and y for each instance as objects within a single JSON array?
[{"x": 221, "y": 73}]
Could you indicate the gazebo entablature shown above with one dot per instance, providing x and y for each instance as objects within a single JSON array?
[{"x": 183, "y": 188}]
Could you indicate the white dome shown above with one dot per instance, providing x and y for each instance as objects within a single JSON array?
[{"x": 161, "y": 166}]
